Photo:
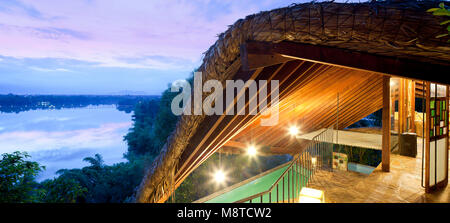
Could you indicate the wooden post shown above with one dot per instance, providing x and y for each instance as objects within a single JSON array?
[
  {"x": 394, "y": 97},
  {"x": 413, "y": 106},
  {"x": 386, "y": 125},
  {"x": 401, "y": 106},
  {"x": 427, "y": 136},
  {"x": 337, "y": 119}
]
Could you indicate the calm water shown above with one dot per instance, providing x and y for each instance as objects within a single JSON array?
[{"x": 61, "y": 139}]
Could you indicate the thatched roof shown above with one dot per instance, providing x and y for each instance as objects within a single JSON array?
[{"x": 401, "y": 29}]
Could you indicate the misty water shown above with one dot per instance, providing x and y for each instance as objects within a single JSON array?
[{"x": 60, "y": 139}]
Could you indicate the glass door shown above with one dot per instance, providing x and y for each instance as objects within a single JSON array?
[{"x": 436, "y": 145}]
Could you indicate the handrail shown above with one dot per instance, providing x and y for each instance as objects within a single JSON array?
[
  {"x": 294, "y": 161},
  {"x": 273, "y": 185}
]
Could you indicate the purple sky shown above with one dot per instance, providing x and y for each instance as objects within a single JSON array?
[{"x": 108, "y": 46}]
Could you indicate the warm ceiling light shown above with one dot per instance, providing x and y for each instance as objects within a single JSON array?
[
  {"x": 251, "y": 150},
  {"x": 392, "y": 83},
  {"x": 219, "y": 176},
  {"x": 293, "y": 130}
]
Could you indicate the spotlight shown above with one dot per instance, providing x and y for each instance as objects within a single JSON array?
[
  {"x": 293, "y": 130},
  {"x": 219, "y": 176},
  {"x": 251, "y": 150},
  {"x": 392, "y": 83}
]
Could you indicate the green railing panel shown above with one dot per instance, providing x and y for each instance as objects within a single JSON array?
[{"x": 263, "y": 183}]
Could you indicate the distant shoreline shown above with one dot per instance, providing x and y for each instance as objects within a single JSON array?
[{"x": 12, "y": 103}]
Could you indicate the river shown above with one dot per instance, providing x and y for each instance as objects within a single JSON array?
[{"x": 60, "y": 139}]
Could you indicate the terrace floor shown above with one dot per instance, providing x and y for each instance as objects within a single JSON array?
[{"x": 401, "y": 184}]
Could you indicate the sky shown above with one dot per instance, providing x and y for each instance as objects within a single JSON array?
[{"x": 110, "y": 46}]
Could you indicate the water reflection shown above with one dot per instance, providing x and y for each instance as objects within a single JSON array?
[{"x": 62, "y": 138}]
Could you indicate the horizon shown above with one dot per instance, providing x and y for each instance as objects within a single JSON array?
[{"x": 87, "y": 94}]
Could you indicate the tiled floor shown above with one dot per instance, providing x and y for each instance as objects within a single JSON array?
[{"x": 401, "y": 184}]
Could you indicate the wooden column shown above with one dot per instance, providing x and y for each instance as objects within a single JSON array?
[
  {"x": 386, "y": 125},
  {"x": 394, "y": 97},
  {"x": 413, "y": 106},
  {"x": 427, "y": 137},
  {"x": 401, "y": 106}
]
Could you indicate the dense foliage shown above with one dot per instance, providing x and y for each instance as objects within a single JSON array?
[
  {"x": 61, "y": 190},
  {"x": 103, "y": 183},
  {"x": 153, "y": 123},
  {"x": 139, "y": 138},
  {"x": 17, "y": 178},
  {"x": 372, "y": 120},
  {"x": 96, "y": 183},
  {"x": 442, "y": 11},
  {"x": 369, "y": 157}
]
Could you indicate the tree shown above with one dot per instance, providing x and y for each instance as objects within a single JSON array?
[
  {"x": 62, "y": 190},
  {"x": 17, "y": 178},
  {"x": 442, "y": 11},
  {"x": 96, "y": 161},
  {"x": 165, "y": 122},
  {"x": 103, "y": 183},
  {"x": 139, "y": 137}
]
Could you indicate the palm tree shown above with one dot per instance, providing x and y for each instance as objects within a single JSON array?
[{"x": 96, "y": 161}]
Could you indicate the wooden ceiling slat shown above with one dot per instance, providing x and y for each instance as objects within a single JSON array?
[
  {"x": 283, "y": 88},
  {"x": 272, "y": 132},
  {"x": 307, "y": 90},
  {"x": 304, "y": 76},
  {"x": 287, "y": 116},
  {"x": 355, "y": 101},
  {"x": 292, "y": 65},
  {"x": 209, "y": 125},
  {"x": 330, "y": 108}
]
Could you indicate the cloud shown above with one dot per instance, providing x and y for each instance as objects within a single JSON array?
[
  {"x": 102, "y": 41},
  {"x": 49, "y": 118},
  {"x": 51, "y": 33},
  {"x": 16, "y": 7},
  {"x": 107, "y": 135},
  {"x": 101, "y": 31},
  {"x": 65, "y": 158},
  {"x": 157, "y": 62},
  {"x": 66, "y": 149},
  {"x": 59, "y": 33},
  {"x": 40, "y": 69},
  {"x": 12, "y": 6}
]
